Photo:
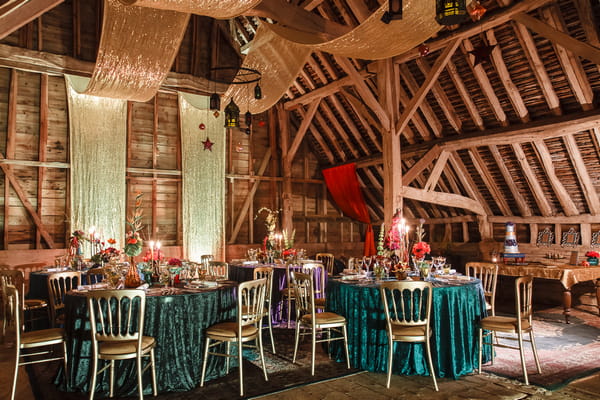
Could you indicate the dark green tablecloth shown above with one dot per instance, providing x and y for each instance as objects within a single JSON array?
[
  {"x": 177, "y": 322},
  {"x": 456, "y": 311}
]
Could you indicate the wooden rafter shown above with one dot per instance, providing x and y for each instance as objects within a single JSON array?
[
  {"x": 445, "y": 199},
  {"x": 420, "y": 165},
  {"x": 465, "y": 96},
  {"x": 431, "y": 78},
  {"x": 364, "y": 116},
  {"x": 15, "y": 14},
  {"x": 488, "y": 180},
  {"x": 463, "y": 176},
  {"x": 508, "y": 179},
  {"x": 436, "y": 172},
  {"x": 432, "y": 120},
  {"x": 587, "y": 185},
  {"x": 534, "y": 184},
  {"x": 306, "y": 122}
]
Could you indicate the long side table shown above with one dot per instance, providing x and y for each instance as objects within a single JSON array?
[{"x": 568, "y": 275}]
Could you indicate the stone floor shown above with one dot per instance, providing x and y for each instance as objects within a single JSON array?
[{"x": 371, "y": 386}]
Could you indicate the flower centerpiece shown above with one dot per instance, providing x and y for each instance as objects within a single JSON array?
[
  {"x": 134, "y": 242},
  {"x": 271, "y": 220},
  {"x": 106, "y": 254},
  {"x": 592, "y": 257},
  {"x": 289, "y": 252},
  {"x": 75, "y": 242}
]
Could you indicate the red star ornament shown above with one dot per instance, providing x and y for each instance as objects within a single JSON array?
[
  {"x": 207, "y": 144},
  {"x": 482, "y": 53}
]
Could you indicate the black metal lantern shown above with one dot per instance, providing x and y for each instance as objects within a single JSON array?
[
  {"x": 232, "y": 115},
  {"x": 248, "y": 118},
  {"x": 215, "y": 102},
  {"x": 394, "y": 11},
  {"x": 257, "y": 92},
  {"x": 450, "y": 12}
]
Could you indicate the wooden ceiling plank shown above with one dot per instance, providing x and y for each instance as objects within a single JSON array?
[
  {"x": 488, "y": 180},
  {"x": 522, "y": 205},
  {"x": 358, "y": 136},
  {"x": 561, "y": 193},
  {"x": 586, "y": 17},
  {"x": 442, "y": 99},
  {"x": 570, "y": 63},
  {"x": 413, "y": 86},
  {"x": 485, "y": 84},
  {"x": 376, "y": 200},
  {"x": 22, "y": 13},
  {"x": 436, "y": 172},
  {"x": 507, "y": 82},
  {"x": 418, "y": 122},
  {"x": 331, "y": 136},
  {"x": 327, "y": 64},
  {"x": 583, "y": 175},
  {"x": 316, "y": 133},
  {"x": 430, "y": 80},
  {"x": 538, "y": 68},
  {"x": 306, "y": 122},
  {"x": 335, "y": 124},
  {"x": 534, "y": 184},
  {"x": 314, "y": 65},
  {"x": 465, "y": 96},
  {"x": 492, "y": 20},
  {"x": 363, "y": 90},
  {"x": 365, "y": 118},
  {"x": 373, "y": 179}
]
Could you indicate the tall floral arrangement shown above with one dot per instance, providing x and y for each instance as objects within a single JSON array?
[
  {"x": 421, "y": 248},
  {"x": 133, "y": 240},
  {"x": 271, "y": 220}
]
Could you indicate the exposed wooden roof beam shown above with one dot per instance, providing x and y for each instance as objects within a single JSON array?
[
  {"x": 543, "y": 129},
  {"x": 15, "y": 14},
  {"x": 413, "y": 86},
  {"x": 365, "y": 118},
  {"x": 511, "y": 89},
  {"x": 485, "y": 84},
  {"x": 316, "y": 133},
  {"x": 587, "y": 185},
  {"x": 458, "y": 167},
  {"x": 437, "y": 68},
  {"x": 491, "y": 20},
  {"x": 586, "y": 17},
  {"x": 488, "y": 180},
  {"x": 440, "y": 96},
  {"x": 563, "y": 196},
  {"x": 580, "y": 48},
  {"x": 534, "y": 184},
  {"x": 324, "y": 91},
  {"x": 538, "y": 68},
  {"x": 570, "y": 63},
  {"x": 306, "y": 122},
  {"x": 522, "y": 205},
  {"x": 445, "y": 199},
  {"x": 420, "y": 165},
  {"x": 314, "y": 65},
  {"x": 465, "y": 96},
  {"x": 349, "y": 123},
  {"x": 420, "y": 125},
  {"x": 297, "y": 18},
  {"x": 436, "y": 172}
]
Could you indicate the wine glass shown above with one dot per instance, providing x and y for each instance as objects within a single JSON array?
[{"x": 367, "y": 262}]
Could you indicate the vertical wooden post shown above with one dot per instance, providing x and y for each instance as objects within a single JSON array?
[
  {"x": 286, "y": 164},
  {"x": 392, "y": 167},
  {"x": 154, "y": 165},
  {"x": 42, "y": 149},
  {"x": 10, "y": 148},
  {"x": 179, "y": 212}
]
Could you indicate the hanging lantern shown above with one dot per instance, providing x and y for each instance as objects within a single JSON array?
[
  {"x": 215, "y": 102},
  {"x": 450, "y": 12},
  {"x": 257, "y": 92},
  {"x": 232, "y": 115},
  {"x": 248, "y": 118},
  {"x": 394, "y": 11}
]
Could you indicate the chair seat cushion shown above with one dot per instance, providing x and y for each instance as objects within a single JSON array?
[
  {"x": 43, "y": 335},
  {"x": 32, "y": 304},
  {"x": 324, "y": 318},
  {"x": 406, "y": 332},
  {"x": 229, "y": 330},
  {"x": 503, "y": 324},
  {"x": 320, "y": 302},
  {"x": 123, "y": 347}
]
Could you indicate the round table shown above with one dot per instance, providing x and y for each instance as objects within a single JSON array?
[
  {"x": 176, "y": 318},
  {"x": 456, "y": 311}
]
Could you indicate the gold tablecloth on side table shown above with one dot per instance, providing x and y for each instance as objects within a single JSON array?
[{"x": 568, "y": 275}]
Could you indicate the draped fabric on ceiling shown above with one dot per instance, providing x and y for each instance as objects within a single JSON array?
[
  {"x": 343, "y": 185},
  {"x": 373, "y": 39},
  {"x": 98, "y": 132},
  {"x": 137, "y": 48},
  {"x": 220, "y": 9},
  {"x": 279, "y": 61},
  {"x": 203, "y": 178}
]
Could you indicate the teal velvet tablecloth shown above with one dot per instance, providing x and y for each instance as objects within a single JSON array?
[
  {"x": 456, "y": 311},
  {"x": 177, "y": 322}
]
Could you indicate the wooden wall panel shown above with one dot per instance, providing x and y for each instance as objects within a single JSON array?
[
  {"x": 58, "y": 122},
  {"x": 28, "y": 116},
  {"x": 168, "y": 132}
]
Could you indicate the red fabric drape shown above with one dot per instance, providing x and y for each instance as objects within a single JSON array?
[{"x": 345, "y": 190}]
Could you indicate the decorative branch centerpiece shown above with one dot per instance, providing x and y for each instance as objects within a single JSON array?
[{"x": 134, "y": 242}]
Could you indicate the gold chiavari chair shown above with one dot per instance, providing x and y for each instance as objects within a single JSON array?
[
  {"x": 60, "y": 283},
  {"x": 205, "y": 259},
  {"x": 307, "y": 318},
  {"x": 218, "y": 269},
  {"x": 267, "y": 273},
  {"x": 328, "y": 261},
  {"x": 251, "y": 303},
  {"x": 487, "y": 273},
  {"x": 16, "y": 278}
]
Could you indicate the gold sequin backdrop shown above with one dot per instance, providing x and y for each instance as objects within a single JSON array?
[
  {"x": 98, "y": 131},
  {"x": 203, "y": 176},
  {"x": 137, "y": 48}
]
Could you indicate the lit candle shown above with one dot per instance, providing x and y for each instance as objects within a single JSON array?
[
  {"x": 158, "y": 250},
  {"x": 152, "y": 251},
  {"x": 91, "y": 232}
]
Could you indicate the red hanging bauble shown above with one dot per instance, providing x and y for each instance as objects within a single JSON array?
[
  {"x": 261, "y": 123},
  {"x": 202, "y": 127},
  {"x": 423, "y": 50}
]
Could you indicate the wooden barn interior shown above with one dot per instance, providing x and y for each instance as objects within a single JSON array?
[{"x": 467, "y": 127}]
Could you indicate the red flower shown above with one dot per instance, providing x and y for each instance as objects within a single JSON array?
[
  {"x": 420, "y": 249},
  {"x": 593, "y": 254},
  {"x": 111, "y": 241},
  {"x": 131, "y": 241},
  {"x": 174, "y": 261}
]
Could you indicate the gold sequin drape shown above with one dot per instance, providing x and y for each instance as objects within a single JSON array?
[
  {"x": 98, "y": 131},
  {"x": 220, "y": 9},
  {"x": 203, "y": 176}
]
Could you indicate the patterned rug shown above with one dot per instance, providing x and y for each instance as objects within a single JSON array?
[
  {"x": 282, "y": 374},
  {"x": 566, "y": 351}
]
